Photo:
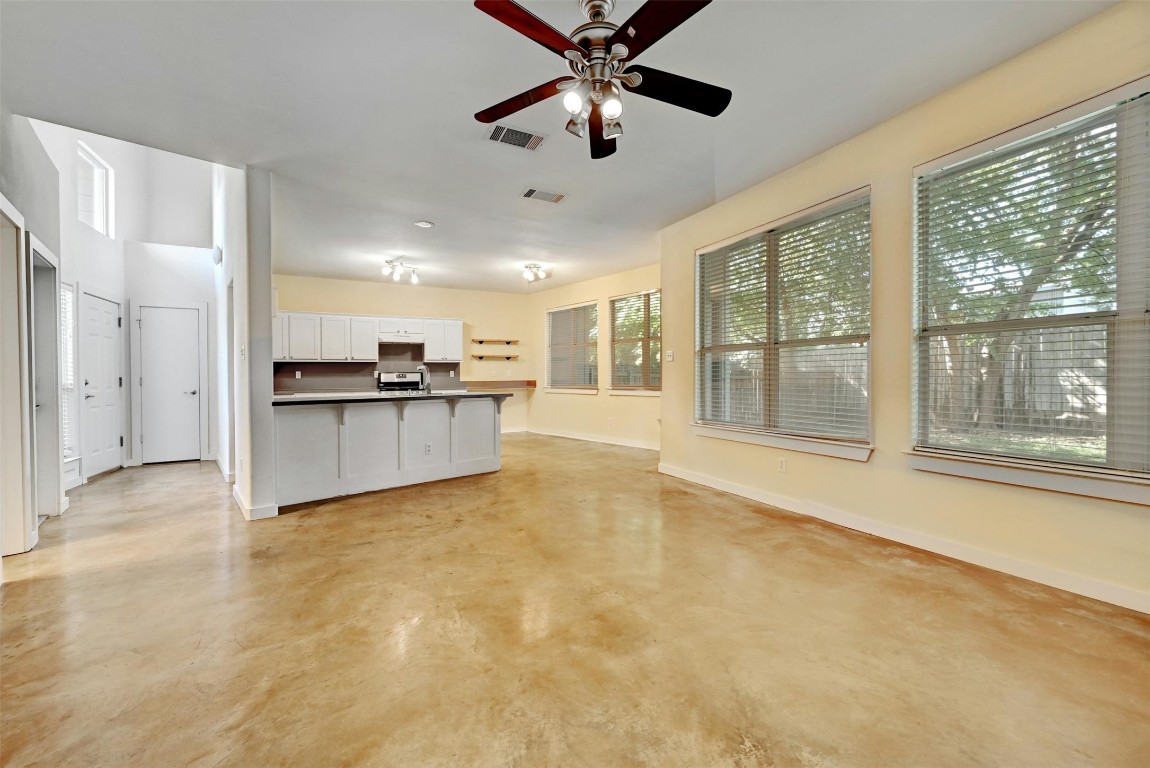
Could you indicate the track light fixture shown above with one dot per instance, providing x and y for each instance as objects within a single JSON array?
[
  {"x": 396, "y": 267},
  {"x": 533, "y": 272}
]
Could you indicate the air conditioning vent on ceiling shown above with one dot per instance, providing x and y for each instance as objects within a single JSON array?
[
  {"x": 547, "y": 197},
  {"x": 516, "y": 138}
]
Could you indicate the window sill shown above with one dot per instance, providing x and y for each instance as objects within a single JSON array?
[
  {"x": 1131, "y": 490},
  {"x": 634, "y": 392},
  {"x": 833, "y": 448},
  {"x": 572, "y": 391}
]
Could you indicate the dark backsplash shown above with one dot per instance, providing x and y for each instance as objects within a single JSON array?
[{"x": 360, "y": 376}]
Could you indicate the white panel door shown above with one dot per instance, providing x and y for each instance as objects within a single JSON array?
[
  {"x": 303, "y": 337},
  {"x": 365, "y": 339},
  {"x": 334, "y": 338},
  {"x": 433, "y": 340},
  {"x": 169, "y": 391},
  {"x": 453, "y": 340},
  {"x": 100, "y": 384}
]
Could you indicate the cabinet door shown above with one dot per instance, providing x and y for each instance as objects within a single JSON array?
[
  {"x": 391, "y": 326},
  {"x": 279, "y": 348},
  {"x": 303, "y": 337},
  {"x": 412, "y": 327},
  {"x": 334, "y": 338},
  {"x": 453, "y": 340},
  {"x": 365, "y": 339},
  {"x": 432, "y": 340}
]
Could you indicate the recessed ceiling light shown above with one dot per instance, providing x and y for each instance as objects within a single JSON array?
[{"x": 425, "y": 224}]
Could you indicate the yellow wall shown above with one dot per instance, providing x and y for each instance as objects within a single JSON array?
[
  {"x": 1078, "y": 537},
  {"x": 605, "y": 416},
  {"x": 485, "y": 315}
]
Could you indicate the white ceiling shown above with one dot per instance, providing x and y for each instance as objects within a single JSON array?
[{"x": 364, "y": 112}]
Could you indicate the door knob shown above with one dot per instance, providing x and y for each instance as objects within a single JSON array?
[
  {"x": 88, "y": 397},
  {"x": 193, "y": 392}
]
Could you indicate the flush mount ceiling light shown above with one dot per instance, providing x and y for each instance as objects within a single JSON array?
[
  {"x": 425, "y": 224},
  {"x": 396, "y": 267},
  {"x": 599, "y": 55},
  {"x": 533, "y": 272}
]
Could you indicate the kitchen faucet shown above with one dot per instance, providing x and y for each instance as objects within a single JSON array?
[{"x": 424, "y": 378}]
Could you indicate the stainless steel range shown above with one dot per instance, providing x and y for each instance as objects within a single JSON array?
[{"x": 401, "y": 383}]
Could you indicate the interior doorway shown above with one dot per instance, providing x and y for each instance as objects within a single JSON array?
[
  {"x": 100, "y": 386},
  {"x": 43, "y": 313},
  {"x": 172, "y": 391}
]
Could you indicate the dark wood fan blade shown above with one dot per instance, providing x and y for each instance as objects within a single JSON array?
[
  {"x": 526, "y": 23},
  {"x": 680, "y": 91},
  {"x": 600, "y": 147},
  {"x": 653, "y": 20},
  {"x": 522, "y": 101}
]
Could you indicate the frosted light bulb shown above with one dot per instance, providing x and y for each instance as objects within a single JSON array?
[
  {"x": 573, "y": 102},
  {"x": 395, "y": 275},
  {"x": 414, "y": 278},
  {"x": 612, "y": 107}
]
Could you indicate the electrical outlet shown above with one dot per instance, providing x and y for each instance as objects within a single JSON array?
[
  {"x": 451, "y": 374},
  {"x": 299, "y": 374},
  {"x": 670, "y": 356},
  {"x": 783, "y": 466},
  {"x": 427, "y": 449}
]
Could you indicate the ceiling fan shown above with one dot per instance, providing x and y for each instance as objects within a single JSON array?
[{"x": 599, "y": 55}]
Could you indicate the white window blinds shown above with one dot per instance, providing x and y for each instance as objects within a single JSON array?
[
  {"x": 1033, "y": 283},
  {"x": 69, "y": 405},
  {"x": 572, "y": 347},
  {"x": 783, "y": 325},
  {"x": 636, "y": 343}
]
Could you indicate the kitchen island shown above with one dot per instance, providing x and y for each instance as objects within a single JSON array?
[{"x": 334, "y": 444}]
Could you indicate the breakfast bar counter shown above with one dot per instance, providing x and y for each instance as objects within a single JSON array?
[{"x": 338, "y": 443}]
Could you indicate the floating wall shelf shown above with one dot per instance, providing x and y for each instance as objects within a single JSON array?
[
  {"x": 495, "y": 341},
  {"x": 499, "y": 357}
]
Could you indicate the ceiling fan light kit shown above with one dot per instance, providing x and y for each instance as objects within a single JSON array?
[
  {"x": 533, "y": 272},
  {"x": 599, "y": 55},
  {"x": 395, "y": 269}
]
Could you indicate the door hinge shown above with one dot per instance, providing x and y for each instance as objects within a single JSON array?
[
  {"x": 119, "y": 322},
  {"x": 121, "y": 381},
  {"x": 121, "y": 441}
]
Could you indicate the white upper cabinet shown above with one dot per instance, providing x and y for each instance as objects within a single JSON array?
[
  {"x": 335, "y": 338},
  {"x": 453, "y": 341},
  {"x": 307, "y": 336},
  {"x": 279, "y": 333},
  {"x": 433, "y": 348},
  {"x": 303, "y": 337},
  {"x": 365, "y": 339}
]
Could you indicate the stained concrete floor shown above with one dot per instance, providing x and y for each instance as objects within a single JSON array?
[{"x": 575, "y": 609}]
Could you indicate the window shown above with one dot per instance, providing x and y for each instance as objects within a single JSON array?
[
  {"x": 572, "y": 347},
  {"x": 783, "y": 325},
  {"x": 93, "y": 190},
  {"x": 69, "y": 406},
  {"x": 636, "y": 353},
  {"x": 1033, "y": 287}
]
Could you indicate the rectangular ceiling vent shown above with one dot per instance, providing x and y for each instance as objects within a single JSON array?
[
  {"x": 547, "y": 197},
  {"x": 516, "y": 138}
]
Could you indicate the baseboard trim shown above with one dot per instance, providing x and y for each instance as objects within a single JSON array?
[
  {"x": 596, "y": 438},
  {"x": 512, "y": 430},
  {"x": 228, "y": 476},
  {"x": 1097, "y": 589},
  {"x": 253, "y": 513}
]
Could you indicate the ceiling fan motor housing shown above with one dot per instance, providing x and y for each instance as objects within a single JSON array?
[{"x": 596, "y": 10}]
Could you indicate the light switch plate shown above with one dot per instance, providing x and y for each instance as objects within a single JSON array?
[{"x": 670, "y": 356}]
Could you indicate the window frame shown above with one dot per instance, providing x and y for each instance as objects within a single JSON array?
[
  {"x": 855, "y": 449},
  {"x": 69, "y": 395},
  {"x": 86, "y": 154},
  {"x": 1095, "y": 481},
  {"x": 594, "y": 345},
  {"x": 645, "y": 340}
]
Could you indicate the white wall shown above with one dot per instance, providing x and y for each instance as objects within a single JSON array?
[
  {"x": 229, "y": 233},
  {"x": 180, "y": 200}
]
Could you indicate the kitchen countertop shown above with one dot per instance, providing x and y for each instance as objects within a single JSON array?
[{"x": 312, "y": 398}]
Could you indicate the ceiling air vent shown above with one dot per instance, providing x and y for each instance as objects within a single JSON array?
[
  {"x": 547, "y": 197},
  {"x": 505, "y": 135}
]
